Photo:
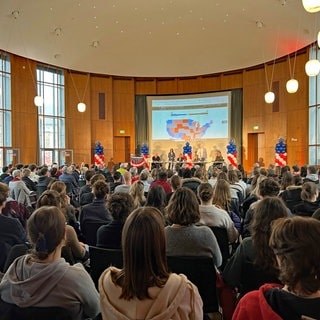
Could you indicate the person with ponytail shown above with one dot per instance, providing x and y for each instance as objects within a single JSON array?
[{"x": 42, "y": 278}]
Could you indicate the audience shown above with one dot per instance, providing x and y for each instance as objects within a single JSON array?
[
  {"x": 310, "y": 202},
  {"x": 42, "y": 278},
  {"x": 211, "y": 215},
  {"x": 253, "y": 263},
  {"x": 183, "y": 237},
  {"x": 120, "y": 206},
  {"x": 144, "y": 288},
  {"x": 294, "y": 242},
  {"x": 77, "y": 249}
]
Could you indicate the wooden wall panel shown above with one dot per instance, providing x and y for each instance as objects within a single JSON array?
[
  {"x": 188, "y": 85},
  {"x": 231, "y": 81},
  {"x": 123, "y": 112},
  {"x": 167, "y": 86},
  {"x": 210, "y": 83},
  {"x": 145, "y": 86},
  {"x": 24, "y": 112},
  {"x": 78, "y": 124},
  {"x": 102, "y": 129}
]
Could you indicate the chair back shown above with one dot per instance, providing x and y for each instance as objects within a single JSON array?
[
  {"x": 41, "y": 190},
  {"x": 101, "y": 259},
  {"x": 10, "y": 311},
  {"x": 202, "y": 273},
  {"x": 223, "y": 242},
  {"x": 89, "y": 230},
  {"x": 254, "y": 277},
  {"x": 15, "y": 252}
]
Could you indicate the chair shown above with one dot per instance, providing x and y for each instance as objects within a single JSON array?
[
  {"x": 89, "y": 230},
  {"x": 41, "y": 190},
  {"x": 15, "y": 252},
  {"x": 101, "y": 259},
  {"x": 202, "y": 273},
  {"x": 10, "y": 311},
  {"x": 223, "y": 242}
]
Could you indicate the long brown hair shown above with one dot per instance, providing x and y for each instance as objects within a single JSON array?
[
  {"x": 265, "y": 212},
  {"x": 295, "y": 241},
  {"x": 46, "y": 230},
  {"x": 144, "y": 254},
  {"x": 222, "y": 195}
]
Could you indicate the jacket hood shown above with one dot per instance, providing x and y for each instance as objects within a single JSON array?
[
  {"x": 30, "y": 282},
  {"x": 163, "y": 305},
  {"x": 312, "y": 177}
]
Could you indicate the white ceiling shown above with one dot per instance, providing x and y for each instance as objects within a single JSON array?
[{"x": 156, "y": 38}]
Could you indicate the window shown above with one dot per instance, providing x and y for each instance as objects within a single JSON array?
[
  {"x": 314, "y": 112},
  {"x": 51, "y": 116},
  {"x": 5, "y": 109}
]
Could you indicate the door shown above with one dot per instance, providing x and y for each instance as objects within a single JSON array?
[{"x": 121, "y": 149}]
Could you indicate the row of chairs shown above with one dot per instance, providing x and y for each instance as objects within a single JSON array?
[{"x": 199, "y": 270}]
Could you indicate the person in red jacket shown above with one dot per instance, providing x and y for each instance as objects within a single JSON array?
[{"x": 294, "y": 241}]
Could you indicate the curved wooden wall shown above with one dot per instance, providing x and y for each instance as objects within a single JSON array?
[{"x": 288, "y": 118}]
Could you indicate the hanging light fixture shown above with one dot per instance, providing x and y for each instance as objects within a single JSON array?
[
  {"x": 269, "y": 96},
  {"x": 312, "y": 67},
  {"x": 81, "y": 105},
  {"x": 38, "y": 101},
  {"x": 311, "y": 6},
  {"x": 292, "y": 85}
]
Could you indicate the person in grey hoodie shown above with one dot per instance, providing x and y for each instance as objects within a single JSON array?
[{"x": 44, "y": 279}]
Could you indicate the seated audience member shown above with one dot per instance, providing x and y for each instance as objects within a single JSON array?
[
  {"x": 134, "y": 174},
  {"x": 312, "y": 175},
  {"x": 157, "y": 198},
  {"x": 5, "y": 173},
  {"x": 87, "y": 187},
  {"x": 137, "y": 193},
  {"x": 26, "y": 179},
  {"x": 43, "y": 278},
  {"x": 44, "y": 177},
  {"x": 294, "y": 242},
  {"x": 33, "y": 172},
  {"x": 267, "y": 188},
  {"x": 68, "y": 177},
  {"x": 116, "y": 181},
  {"x": 67, "y": 208},
  {"x": 11, "y": 230},
  {"x": 78, "y": 249},
  {"x": 183, "y": 237},
  {"x": 120, "y": 205},
  {"x": 190, "y": 181},
  {"x": 9, "y": 178},
  {"x": 97, "y": 210},
  {"x": 144, "y": 175},
  {"x": 125, "y": 186},
  {"x": 253, "y": 263},
  {"x": 222, "y": 199},
  {"x": 13, "y": 208},
  {"x": 291, "y": 195},
  {"x": 144, "y": 285},
  {"x": 176, "y": 183},
  {"x": 310, "y": 202},
  {"x": 211, "y": 215},
  {"x": 162, "y": 180},
  {"x": 19, "y": 190},
  {"x": 87, "y": 197}
]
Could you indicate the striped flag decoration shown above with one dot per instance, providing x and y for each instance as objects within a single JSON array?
[
  {"x": 232, "y": 153},
  {"x": 281, "y": 153}
]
